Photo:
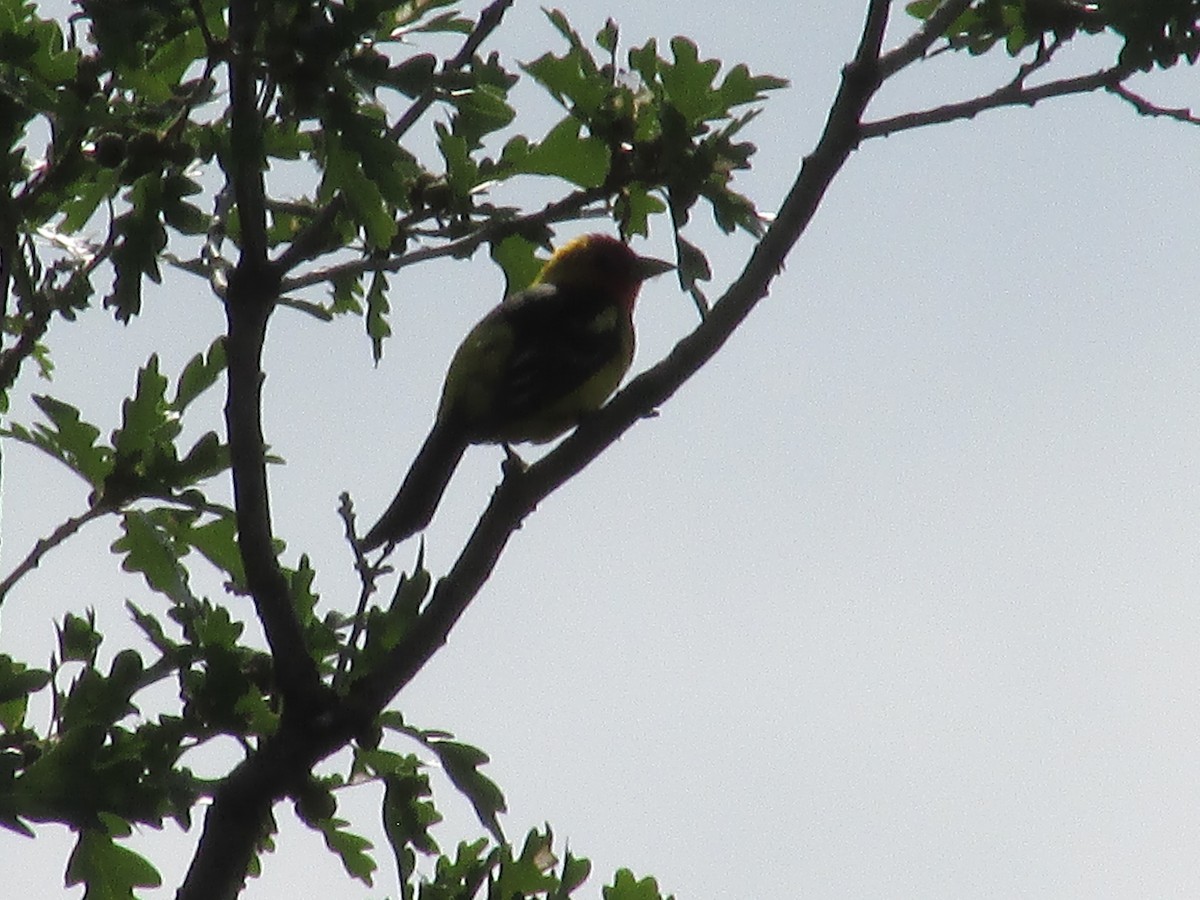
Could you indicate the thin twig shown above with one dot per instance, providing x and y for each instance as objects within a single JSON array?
[
  {"x": 566, "y": 208},
  {"x": 215, "y": 265},
  {"x": 489, "y": 21},
  {"x": 1147, "y": 108},
  {"x": 213, "y": 48},
  {"x": 921, "y": 40},
  {"x": 368, "y": 577},
  {"x": 48, "y": 543},
  {"x": 1011, "y": 94}
]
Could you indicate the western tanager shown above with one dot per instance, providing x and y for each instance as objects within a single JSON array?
[{"x": 529, "y": 370}]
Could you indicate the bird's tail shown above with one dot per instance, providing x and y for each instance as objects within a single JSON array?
[{"x": 423, "y": 487}]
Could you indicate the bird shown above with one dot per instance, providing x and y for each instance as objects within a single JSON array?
[{"x": 529, "y": 370}]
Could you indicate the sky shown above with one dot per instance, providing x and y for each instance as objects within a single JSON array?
[{"x": 896, "y": 598}]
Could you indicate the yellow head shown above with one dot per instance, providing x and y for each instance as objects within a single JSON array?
[{"x": 600, "y": 262}]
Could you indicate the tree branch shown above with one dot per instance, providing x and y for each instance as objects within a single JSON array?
[
  {"x": 250, "y": 297},
  {"x": 46, "y": 544},
  {"x": 1012, "y": 94},
  {"x": 519, "y": 493},
  {"x": 1146, "y": 108},
  {"x": 924, "y": 37},
  {"x": 236, "y": 821},
  {"x": 245, "y": 132},
  {"x": 566, "y": 208},
  {"x": 35, "y": 325}
]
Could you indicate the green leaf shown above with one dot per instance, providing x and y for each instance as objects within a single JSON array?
[
  {"x": 344, "y": 171},
  {"x": 378, "y": 308},
  {"x": 145, "y": 459},
  {"x": 88, "y": 195},
  {"x": 346, "y": 291},
  {"x": 447, "y": 22},
  {"x": 141, "y": 241},
  {"x": 386, "y": 164},
  {"x": 645, "y": 61},
  {"x": 217, "y": 542},
  {"x": 315, "y": 801},
  {"x": 148, "y": 548},
  {"x": 351, "y": 848},
  {"x": 153, "y": 630},
  {"x": 575, "y": 871},
  {"x": 407, "y": 817},
  {"x": 199, "y": 375},
  {"x": 633, "y": 209},
  {"x": 562, "y": 153},
  {"x": 412, "y": 11},
  {"x": 106, "y": 869},
  {"x": 608, "y": 36},
  {"x": 300, "y": 582},
  {"x": 144, "y": 422},
  {"x": 207, "y": 457},
  {"x": 216, "y": 628},
  {"x": 529, "y": 873},
  {"x": 462, "y": 876},
  {"x": 517, "y": 257},
  {"x": 17, "y": 682},
  {"x": 78, "y": 639},
  {"x": 559, "y": 21},
  {"x": 166, "y": 66},
  {"x": 689, "y": 82},
  {"x": 386, "y": 628},
  {"x": 626, "y": 886},
  {"x": 461, "y": 763},
  {"x": 72, "y": 441},
  {"x": 480, "y": 111},
  {"x": 740, "y": 87},
  {"x": 693, "y": 268},
  {"x": 573, "y": 79},
  {"x": 462, "y": 173},
  {"x": 413, "y": 76},
  {"x": 100, "y": 700},
  {"x": 922, "y": 9}
]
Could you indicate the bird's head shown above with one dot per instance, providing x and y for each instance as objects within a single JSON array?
[{"x": 597, "y": 261}]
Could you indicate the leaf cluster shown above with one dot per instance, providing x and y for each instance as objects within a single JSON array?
[
  {"x": 657, "y": 127},
  {"x": 140, "y": 136},
  {"x": 1158, "y": 33}
]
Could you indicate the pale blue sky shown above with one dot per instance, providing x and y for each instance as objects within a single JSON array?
[{"x": 897, "y": 598}]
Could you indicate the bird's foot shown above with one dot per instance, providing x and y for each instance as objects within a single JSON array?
[{"x": 513, "y": 464}]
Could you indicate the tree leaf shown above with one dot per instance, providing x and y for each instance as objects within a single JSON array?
[
  {"x": 563, "y": 153},
  {"x": 72, "y": 441},
  {"x": 461, "y": 763},
  {"x": 377, "y": 311},
  {"x": 350, "y": 848},
  {"x": 626, "y": 886},
  {"x": 200, "y": 373},
  {"x": 148, "y": 548},
  {"x": 106, "y": 869}
]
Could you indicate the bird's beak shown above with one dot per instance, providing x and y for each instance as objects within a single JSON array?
[{"x": 647, "y": 267}]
